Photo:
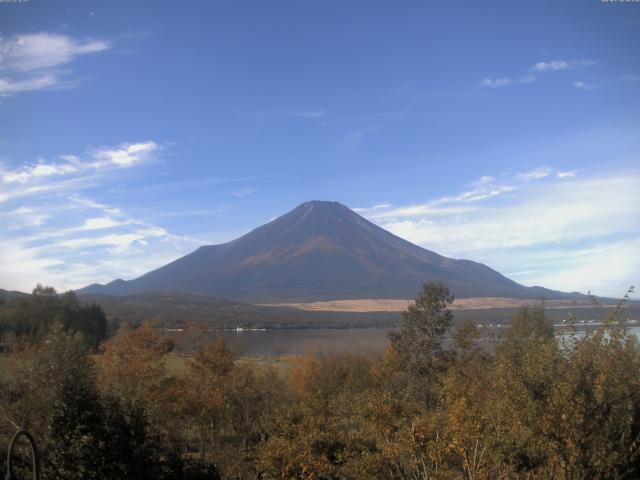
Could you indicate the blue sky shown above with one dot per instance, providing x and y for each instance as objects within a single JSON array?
[{"x": 503, "y": 132}]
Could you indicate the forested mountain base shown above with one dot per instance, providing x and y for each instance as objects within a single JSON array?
[
  {"x": 29, "y": 318},
  {"x": 535, "y": 407}
]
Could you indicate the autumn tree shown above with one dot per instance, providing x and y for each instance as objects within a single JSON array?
[
  {"x": 463, "y": 442},
  {"x": 320, "y": 434},
  {"x": 132, "y": 366},
  {"x": 556, "y": 409},
  {"x": 592, "y": 424},
  {"x": 207, "y": 390},
  {"x": 81, "y": 435},
  {"x": 419, "y": 341}
]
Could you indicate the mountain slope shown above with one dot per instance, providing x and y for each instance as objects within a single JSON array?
[
  {"x": 180, "y": 309},
  {"x": 11, "y": 294},
  {"x": 319, "y": 251}
]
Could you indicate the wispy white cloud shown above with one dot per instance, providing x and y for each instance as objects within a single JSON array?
[
  {"x": 536, "y": 222},
  {"x": 41, "y": 169},
  {"x": 81, "y": 241},
  {"x": 43, "y": 50},
  {"x": 283, "y": 113},
  {"x": 243, "y": 192},
  {"x": 606, "y": 267},
  {"x": 125, "y": 155},
  {"x": 567, "y": 174},
  {"x": 35, "y": 179},
  {"x": 10, "y": 86},
  {"x": 535, "y": 174},
  {"x": 484, "y": 188},
  {"x": 22, "y": 217},
  {"x": 32, "y": 61},
  {"x": 319, "y": 113},
  {"x": 630, "y": 77},
  {"x": 506, "y": 81},
  {"x": 356, "y": 137},
  {"x": 538, "y": 68},
  {"x": 51, "y": 233},
  {"x": 557, "y": 65},
  {"x": 580, "y": 85},
  {"x": 379, "y": 206},
  {"x": 98, "y": 223},
  {"x": 91, "y": 204}
]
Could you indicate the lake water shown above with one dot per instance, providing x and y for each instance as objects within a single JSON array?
[
  {"x": 298, "y": 342},
  {"x": 290, "y": 341},
  {"x": 301, "y": 341}
]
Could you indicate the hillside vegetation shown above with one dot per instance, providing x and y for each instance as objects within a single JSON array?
[
  {"x": 174, "y": 310},
  {"x": 533, "y": 407}
]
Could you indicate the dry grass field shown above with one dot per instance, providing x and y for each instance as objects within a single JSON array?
[
  {"x": 398, "y": 305},
  {"x": 177, "y": 364}
]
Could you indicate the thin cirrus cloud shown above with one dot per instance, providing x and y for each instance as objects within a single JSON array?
[
  {"x": 32, "y": 61},
  {"x": 124, "y": 155},
  {"x": 11, "y": 86},
  {"x": 506, "y": 81},
  {"x": 243, "y": 192},
  {"x": 541, "y": 227},
  {"x": 283, "y": 113},
  {"x": 557, "y": 65},
  {"x": 319, "y": 113},
  {"x": 537, "y": 69},
  {"x": 50, "y": 233},
  {"x": 580, "y": 85},
  {"x": 70, "y": 241}
]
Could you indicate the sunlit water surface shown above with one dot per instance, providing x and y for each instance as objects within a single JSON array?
[{"x": 301, "y": 341}]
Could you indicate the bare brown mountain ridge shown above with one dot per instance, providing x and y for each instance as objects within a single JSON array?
[{"x": 321, "y": 251}]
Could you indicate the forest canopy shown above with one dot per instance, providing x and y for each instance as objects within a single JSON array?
[
  {"x": 31, "y": 317},
  {"x": 438, "y": 404}
]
